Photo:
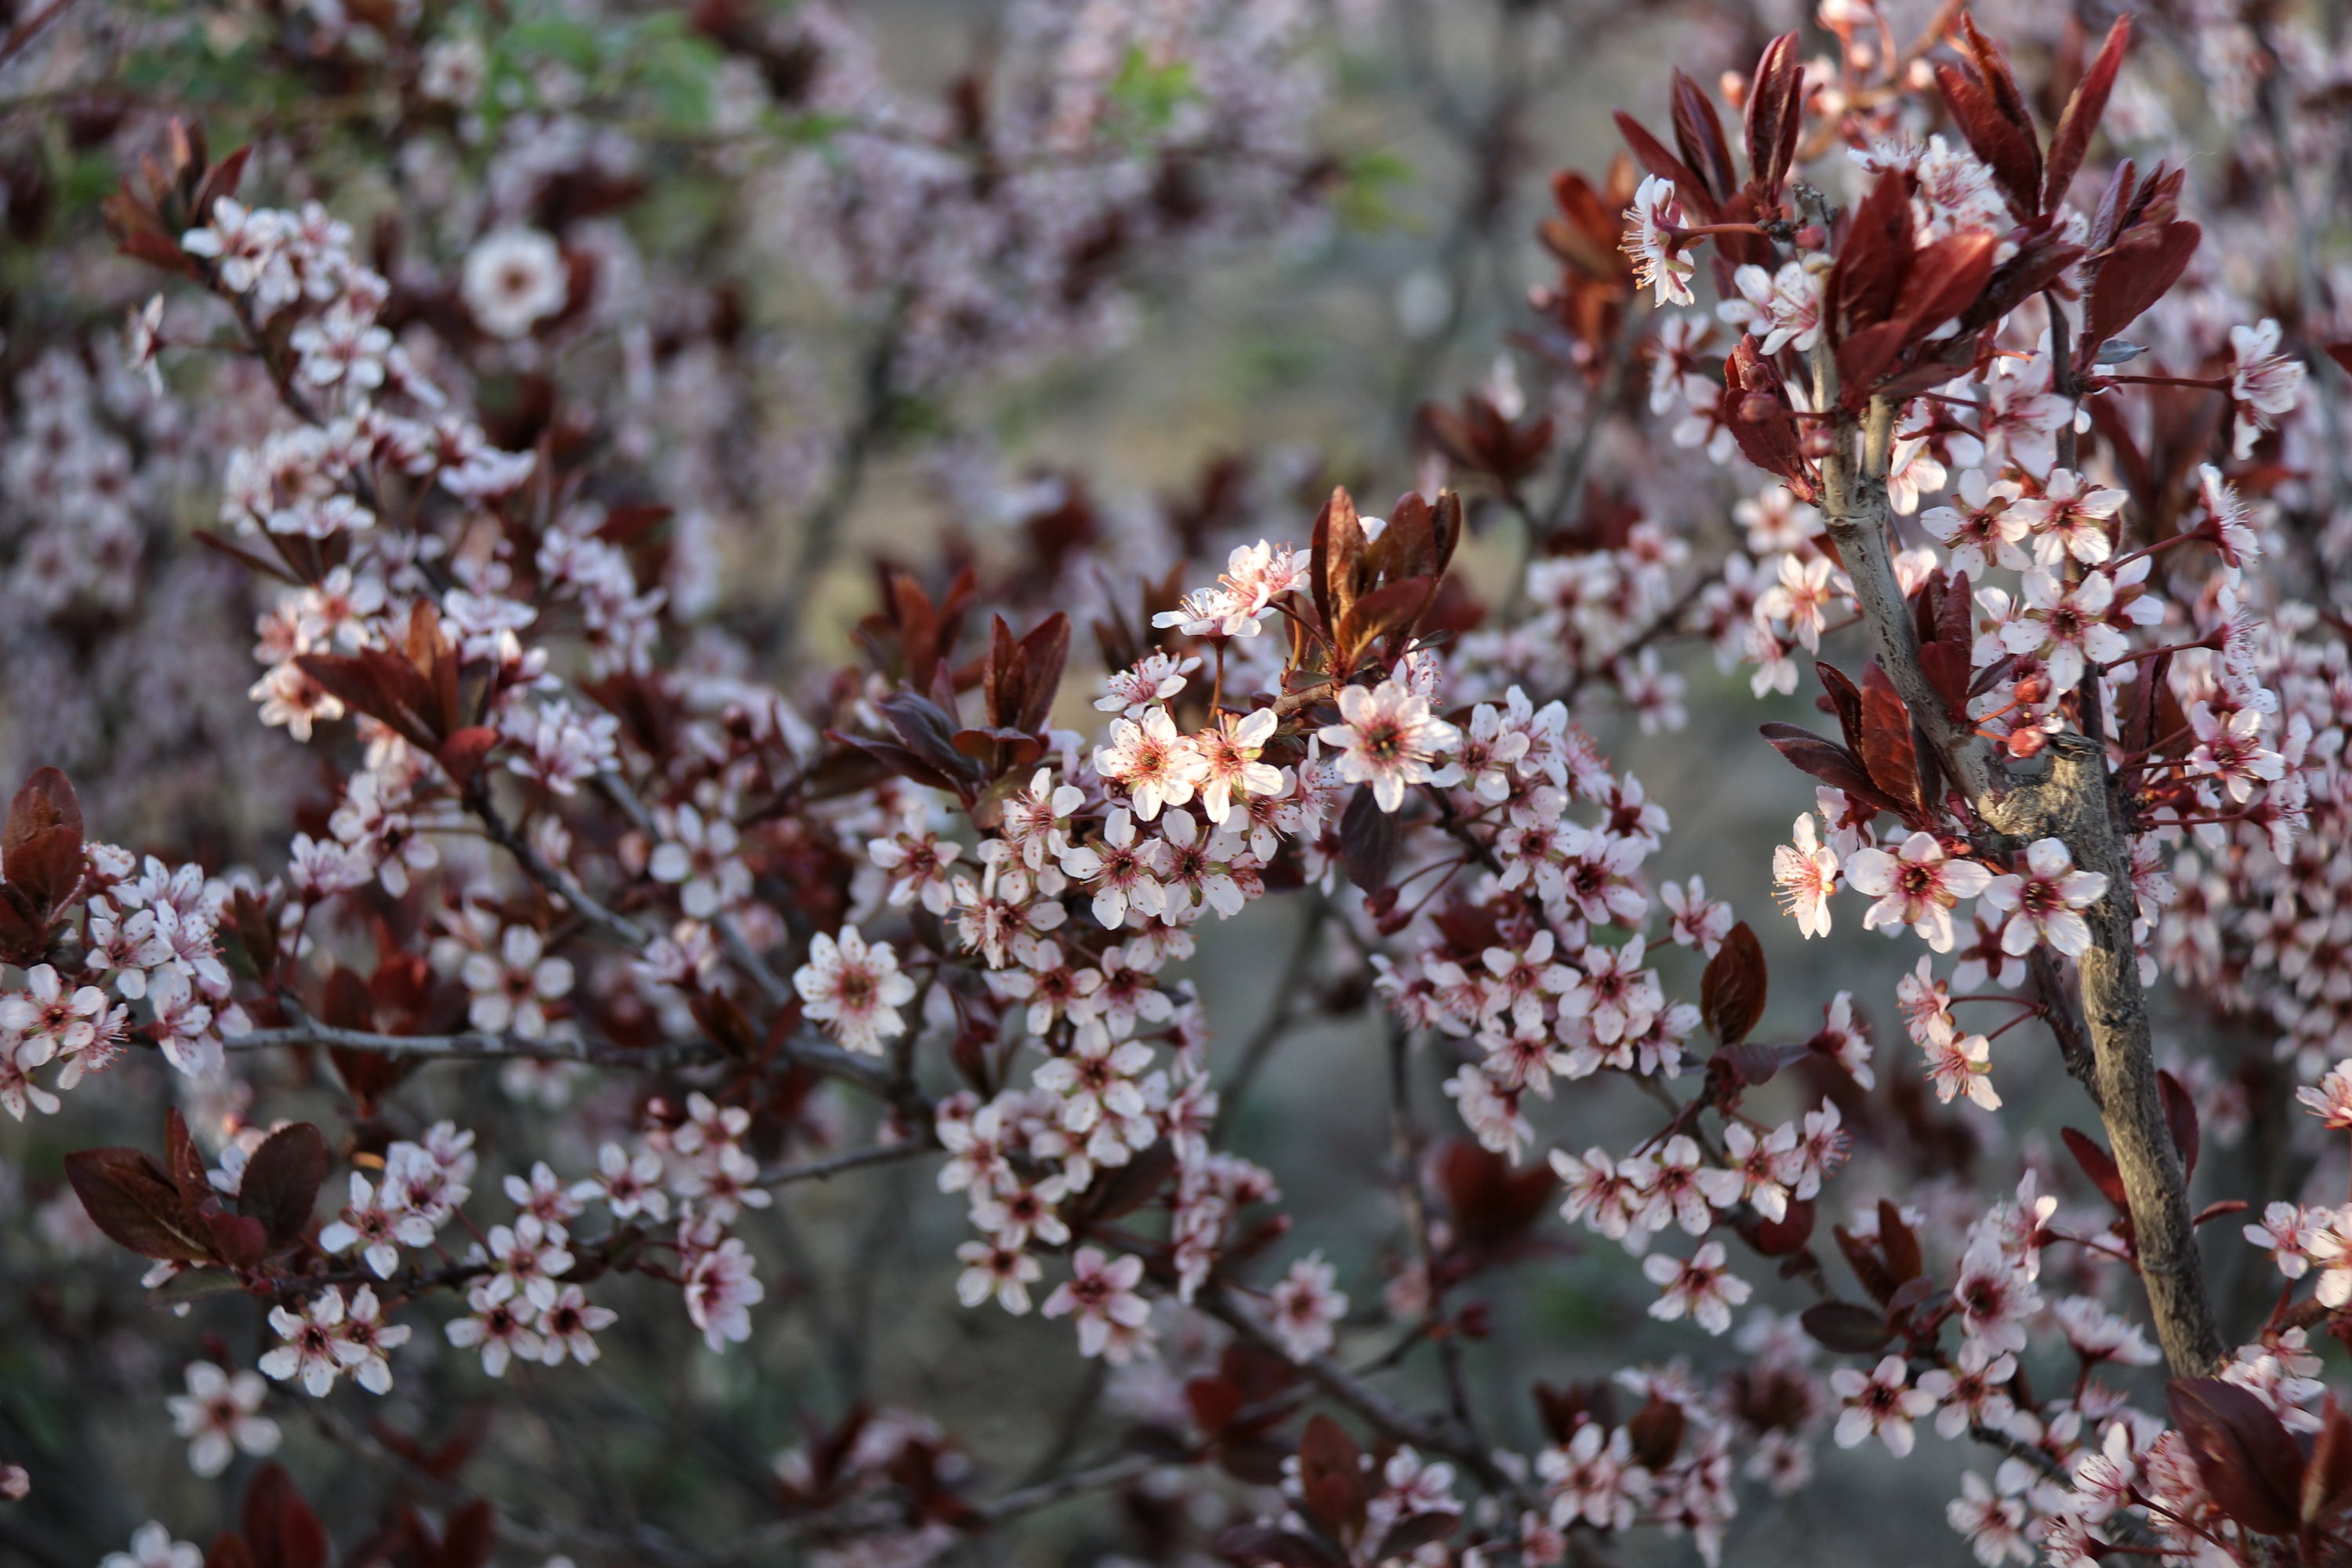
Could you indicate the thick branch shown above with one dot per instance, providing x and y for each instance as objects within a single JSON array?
[
  {"x": 2067, "y": 798},
  {"x": 2069, "y": 802}
]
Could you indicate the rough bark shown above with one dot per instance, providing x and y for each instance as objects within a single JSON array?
[{"x": 2064, "y": 793}]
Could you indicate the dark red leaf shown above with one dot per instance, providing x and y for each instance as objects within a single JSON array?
[
  {"x": 229, "y": 1550},
  {"x": 1415, "y": 1531},
  {"x": 1845, "y": 696},
  {"x": 2327, "y": 1478},
  {"x": 1757, "y": 411},
  {"x": 1331, "y": 1472},
  {"x": 1338, "y": 547},
  {"x": 1392, "y": 608},
  {"x": 1251, "y": 1543},
  {"x": 2098, "y": 1167},
  {"x": 1897, "y": 1243},
  {"x": 461, "y": 754},
  {"x": 2180, "y": 1118},
  {"x": 1698, "y": 132},
  {"x": 1369, "y": 840},
  {"x": 279, "y": 1526},
  {"x": 2145, "y": 264},
  {"x": 1846, "y": 1326},
  {"x": 1828, "y": 761},
  {"x": 1887, "y": 746},
  {"x": 1731, "y": 992},
  {"x": 469, "y": 1535},
  {"x": 2082, "y": 116},
  {"x": 282, "y": 1180},
  {"x": 131, "y": 1198},
  {"x": 1657, "y": 1430},
  {"x": 1947, "y": 669},
  {"x": 1876, "y": 254},
  {"x": 1651, "y": 155},
  {"x": 239, "y": 1241},
  {"x": 1775, "y": 116},
  {"x": 2253, "y": 1469},
  {"x": 1909, "y": 1294},
  {"x": 1045, "y": 652}
]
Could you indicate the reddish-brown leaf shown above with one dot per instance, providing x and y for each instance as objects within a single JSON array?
[
  {"x": 461, "y": 754},
  {"x": 1657, "y": 1432},
  {"x": 1944, "y": 278},
  {"x": 1045, "y": 653},
  {"x": 1731, "y": 992},
  {"x": 279, "y": 1526},
  {"x": 229, "y": 1550},
  {"x": 1887, "y": 746},
  {"x": 1946, "y": 667},
  {"x": 1757, "y": 410},
  {"x": 1775, "y": 116},
  {"x": 1898, "y": 1244},
  {"x": 1787, "y": 1235},
  {"x": 2083, "y": 110},
  {"x": 41, "y": 844},
  {"x": 2181, "y": 1119},
  {"x": 2098, "y": 1167},
  {"x": 1255, "y": 1544},
  {"x": 282, "y": 1180},
  {"x": 2145, "y": 265},
  {"x": 1369, "y": 840},
  {"x": 1338, "y": 546},
  {"x": 1828, "y": 761},
  {"x": 131, "y": 1198},
  {"x": 1876, "y": 254},
  {"x": 1414, "y": 1531},
  {"x": 1698, "y": 132},
  {"x": 1332, "y": 1473},
  {"x": 2327, "y": 1478},
  {"x": 2252, "y": 1468},
  {"x": 1392, "y": 609},
  {"x": 1848, "y": 1328}
]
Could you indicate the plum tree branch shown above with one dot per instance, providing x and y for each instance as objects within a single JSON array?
[{"x": 2063, "y": 795}]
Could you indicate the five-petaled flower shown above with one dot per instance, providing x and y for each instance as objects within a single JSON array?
[
  {"x": 1100, "y": 1293},
  {"x": 1882, "y": 1404},
  {"x": 1389, "y": 739},
  {"x": 853, "y": 989},
  {"x": 2044, "y": 903},
  {"x": 1917, "y": 886}
]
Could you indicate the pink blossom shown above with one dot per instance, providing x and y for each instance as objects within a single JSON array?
[
  {"x": 1389, "y": 739},
  {"x": 1101, "y": 1295},
  {"x": 1702, "y": 1287},
  {"x": 1916, "y": 887},
  {"x": 855, "y": 990},
  {"x": 1882, "y": 1404}
]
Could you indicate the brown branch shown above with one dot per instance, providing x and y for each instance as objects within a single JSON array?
[{"x": 2064, "y": 795}]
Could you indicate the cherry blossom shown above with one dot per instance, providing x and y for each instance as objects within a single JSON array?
[
  {"x": 512, "y": 988},
  {"x": 152, "y": 1546},
  {"x": 1100, "y": 1295},
  {"x": 854, "y": 990},
  {"x": 315, "y": 1350},
  {"x": 1917, "y": 887},
  {"x": 2044, "y": 903},
  {"x": 220, "y": 1416},
  {"x": 1307, "y": 1310},
  {"x": 1806, "y": 874},
  {"x": 500, "y": 1327},
  {"x": 1701, "y": 1287},
  {"x": 1649, "y": 222},
  {"x": 1882, "y": 1404},
  {"x": 1388, "y": 740},
  {"x": 1151, "y": 761}
]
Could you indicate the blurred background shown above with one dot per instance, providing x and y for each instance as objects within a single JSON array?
[{"x": 1239, "y": 379}]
